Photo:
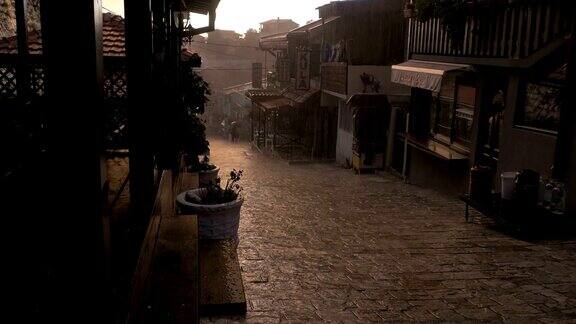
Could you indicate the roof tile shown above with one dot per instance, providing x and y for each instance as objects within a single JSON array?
[{"x": 112, "y": 34}]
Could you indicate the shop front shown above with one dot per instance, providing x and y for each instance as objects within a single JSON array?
[
  {"x": 441, "y": 132},
  {"x": 371, "y": 119},
  {"x": 499, "y": 118}
]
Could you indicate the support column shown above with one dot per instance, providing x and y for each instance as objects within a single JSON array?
[
  {"x": 72, "y": 45},
  {"x": 140, "y": 127},
  {"x": 391, "y": 140},
  {"x": 565, "y": 160}
]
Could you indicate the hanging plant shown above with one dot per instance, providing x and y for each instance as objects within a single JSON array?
[
  {"x": 195, "y": 90},
  {"x": 194, "y": 96},
  {"x": 451, "y": 13}
]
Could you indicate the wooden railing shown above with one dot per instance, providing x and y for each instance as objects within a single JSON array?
[
  {"x": 335, "y": 77},
  {"x": 510, "y": 32}
]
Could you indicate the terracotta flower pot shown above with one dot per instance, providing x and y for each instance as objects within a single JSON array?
[{"x": 215, "y": 222}]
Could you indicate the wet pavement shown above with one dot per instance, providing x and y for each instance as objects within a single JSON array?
[{"x": 318, "y": 243}]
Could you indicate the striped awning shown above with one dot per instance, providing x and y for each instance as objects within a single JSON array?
[{"x": 424, "y": 74}]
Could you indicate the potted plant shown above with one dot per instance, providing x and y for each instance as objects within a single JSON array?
[
  {"x": 184, "y": 133},
  {"x": 207, "y": 172},
  {"x": 409, "y": 10},
  {"x": 193, "y": 92},
  {"x": 452, "y": 14},
  {"x": 217, "y": 207},
  {"x": 193, "y": 141}
]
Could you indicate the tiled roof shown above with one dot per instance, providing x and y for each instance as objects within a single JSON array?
[
  {"x": 112, "y": 34},
  {"x": 273, "y": 21}
]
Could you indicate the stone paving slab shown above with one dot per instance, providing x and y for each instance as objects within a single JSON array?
[{"x": 318, "y": 243}]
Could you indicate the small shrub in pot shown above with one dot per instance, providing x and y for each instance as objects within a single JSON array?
[{"x": 217, "y": 207}]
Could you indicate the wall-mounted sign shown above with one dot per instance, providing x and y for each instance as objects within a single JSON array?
[
  {"x": 303, "y": 69},
  {"x": 257, "y": 75}
]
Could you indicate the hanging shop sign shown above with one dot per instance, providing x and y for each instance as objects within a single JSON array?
[{"x": 303, "y": 69}]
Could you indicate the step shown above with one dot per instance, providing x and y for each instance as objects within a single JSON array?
[{"x": 221, "y": 286}]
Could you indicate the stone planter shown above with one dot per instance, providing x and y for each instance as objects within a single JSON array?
[{"x": 215, "y": 222}]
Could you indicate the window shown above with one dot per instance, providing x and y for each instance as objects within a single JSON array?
[
  {"x": 541, "y": 101},
  {"x": 465, "y": 104},
  {"x": 452, "y": 113},
  {"x": 443, "y": 116}
]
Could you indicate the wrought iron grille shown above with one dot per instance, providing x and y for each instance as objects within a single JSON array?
[
  {"x": 37, "y": 81},
  {"x": 8, "y": 87},
  {"x": 115, "y": 82}
]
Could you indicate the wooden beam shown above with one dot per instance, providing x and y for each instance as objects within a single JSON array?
[
  {"x": 79, "y": 288},
  {"x": 139, "y": 49},
  {"x": 565, "y": 159},
  {"x": 166, "y": 279}
]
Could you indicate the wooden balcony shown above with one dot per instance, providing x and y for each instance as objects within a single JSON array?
[
  {"x": 510, "y": 32},
  {"x": 335, "y": 77}
]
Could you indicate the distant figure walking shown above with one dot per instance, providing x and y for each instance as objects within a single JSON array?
[{"x": 235, "y": 131}]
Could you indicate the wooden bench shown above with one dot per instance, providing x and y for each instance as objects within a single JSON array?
[
  {"x": 177, "y": 278},
  {"x": 165, "y": 283},
  {"x": 221, "y": 285}
]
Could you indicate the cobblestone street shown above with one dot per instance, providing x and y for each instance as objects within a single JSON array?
[{"x": 318, "y": 243}]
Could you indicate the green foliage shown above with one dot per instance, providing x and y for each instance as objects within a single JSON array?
[
  {"x": 193, "y": 138},
  {"x": 425, "y": 9},
  {"x": 194, "y": 96},
  {"x": 214, "y": 194},
  {"x": 452, "y": 15},
  {"x": 198, "y": 166},
  {"x": 195, "y": 90}
]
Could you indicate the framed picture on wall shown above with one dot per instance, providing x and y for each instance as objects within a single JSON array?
[
  {"x": 541, "y": 108},
  {"x": 541, "y": 101}
]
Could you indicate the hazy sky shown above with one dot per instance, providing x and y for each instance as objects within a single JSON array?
[{"x": 240, "y": 15}]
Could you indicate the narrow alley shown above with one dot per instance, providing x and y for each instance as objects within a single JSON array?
[{"x": 320, "y": 243}]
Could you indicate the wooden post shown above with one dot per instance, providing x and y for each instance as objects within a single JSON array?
[
  {"x": 565, "y": 159},
  {"x": 391, "y": 140},
  {"x": 72, "y": 46},
  {"x": 139, "y": 66}
]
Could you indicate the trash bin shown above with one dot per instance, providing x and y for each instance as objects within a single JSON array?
[{"x": 508, "y": 182}]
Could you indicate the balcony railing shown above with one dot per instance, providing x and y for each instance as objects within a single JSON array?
[{"x": 510, "y": 32}]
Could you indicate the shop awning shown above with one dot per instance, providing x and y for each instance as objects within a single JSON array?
[
  {"x": 273, "y": 103},
  {"x": 274, "y": 42},
  {"x": 299, "y": 97},
  {"x": 424, "y": 74}
]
